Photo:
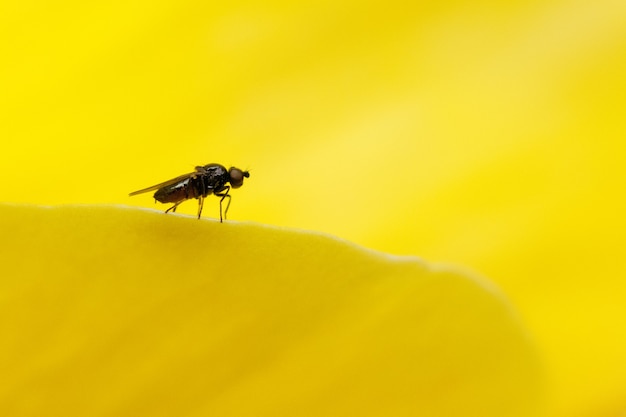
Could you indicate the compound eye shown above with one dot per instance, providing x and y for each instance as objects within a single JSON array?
[{"x": 236, "y": 177}]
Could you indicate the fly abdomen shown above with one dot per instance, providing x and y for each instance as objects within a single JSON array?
[{"x": 174, "y": 193}]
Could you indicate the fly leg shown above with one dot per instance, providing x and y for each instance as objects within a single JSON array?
[
  {"x": 200, "y": 205},
  {"x": 173, "y": 208},
  {"x": 224, "y": 194}
]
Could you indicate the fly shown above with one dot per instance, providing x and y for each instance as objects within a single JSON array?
[{"x": 204, "y": 181}]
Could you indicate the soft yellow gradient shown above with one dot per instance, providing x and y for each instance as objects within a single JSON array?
[
  {"x": 487, "y": 134},
  {"x": 117, "y": 311}
]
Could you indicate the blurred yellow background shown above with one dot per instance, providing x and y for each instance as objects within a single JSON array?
[{"x": 485, "y": 134}]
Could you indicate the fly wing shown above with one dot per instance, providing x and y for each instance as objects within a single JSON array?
[{"x": 165, "y": 184}]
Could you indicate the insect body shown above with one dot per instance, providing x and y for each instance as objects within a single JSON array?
[{"x": 204, "y": 181}]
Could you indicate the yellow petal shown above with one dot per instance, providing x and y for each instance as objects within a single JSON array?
[{"x": 116, "y": 311}]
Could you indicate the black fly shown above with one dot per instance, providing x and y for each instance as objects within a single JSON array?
[{"x": 204, "y": 181}]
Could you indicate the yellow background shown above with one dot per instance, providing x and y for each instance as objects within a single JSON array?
[{"x": 486, "y": 134}]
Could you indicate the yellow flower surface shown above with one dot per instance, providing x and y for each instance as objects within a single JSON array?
[
  {"x": 475, "y": 133},
  {"x": 112, "y": 311}
]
